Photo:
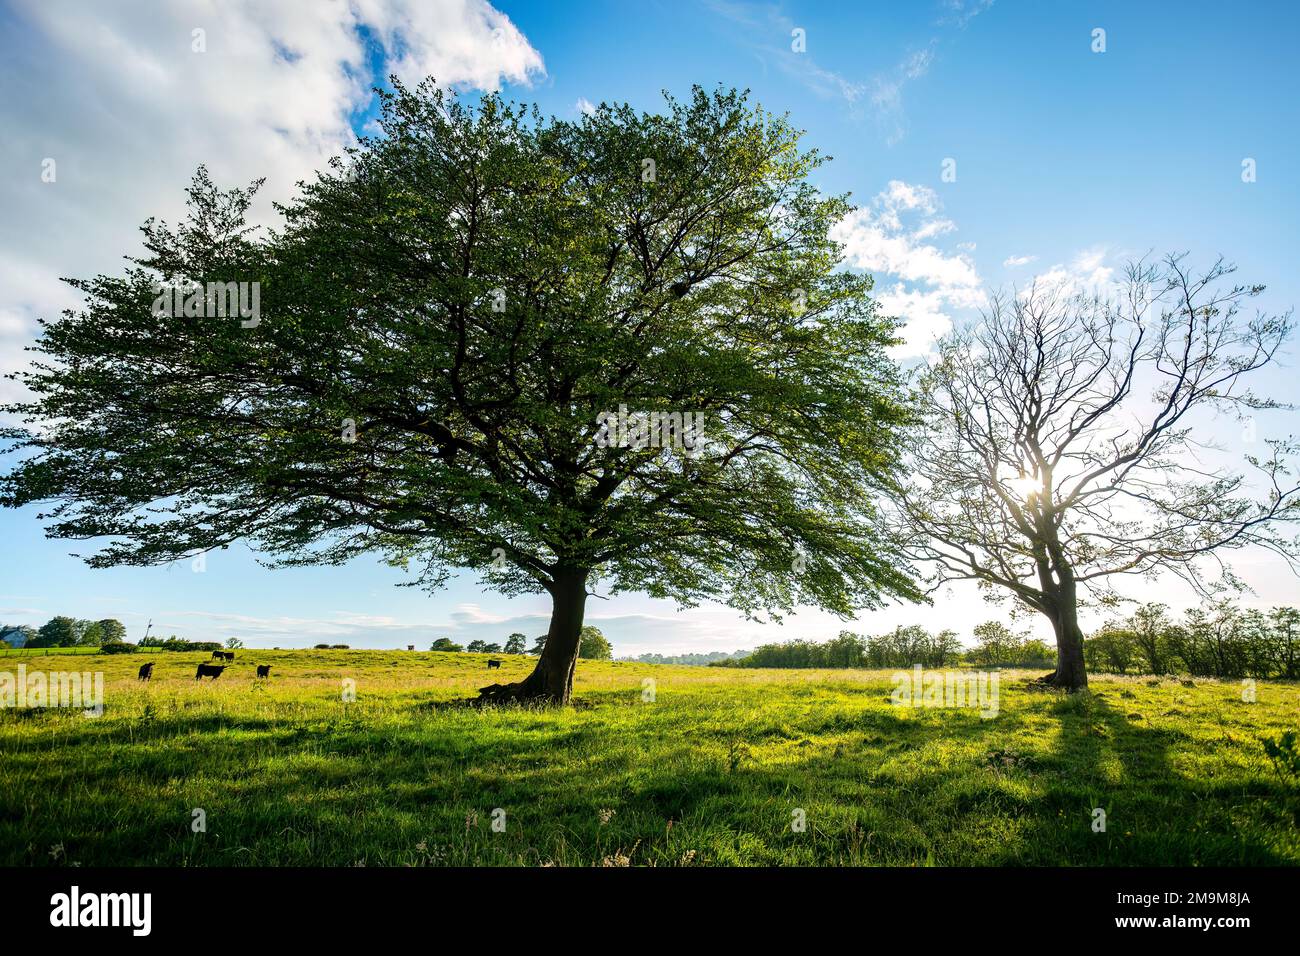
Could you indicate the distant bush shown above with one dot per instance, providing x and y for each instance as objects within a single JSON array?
[
  {"x": 339, "y": 647},
  {"x": 322, "y": 647},
  {"x": 118, "y": 647},
  {"x": 175, "y": 643}
]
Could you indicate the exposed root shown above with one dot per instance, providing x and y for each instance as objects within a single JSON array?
[
  {"x": 1053, "y": 681},
  {"x": 522, "y": 693}
]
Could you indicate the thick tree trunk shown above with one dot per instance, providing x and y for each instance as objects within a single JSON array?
[
  {"x": 551, "y": 681},
  {"x": 1070, "y": 672}
]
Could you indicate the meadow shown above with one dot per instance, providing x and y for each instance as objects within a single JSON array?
[{"x": 713, "y": 770}]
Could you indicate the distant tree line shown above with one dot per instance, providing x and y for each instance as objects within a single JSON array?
[
  {"x": 692, "y": 660},
  {"x": 1217, "y": 640},
  {"x": 592, "y": 645},
  {"x": 108, "y": 634},
  {"x": 906, "y": 646},
  {"x": 64, "y": 631},
  {"x": 175, "y": 643}
]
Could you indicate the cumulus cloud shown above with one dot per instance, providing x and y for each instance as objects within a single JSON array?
[
  {"x": 890, "y": 238},
  {"x": 143, "y": 93},
  {"x": 585, "y": 106},
  {"x": 1015, "y": 261}
]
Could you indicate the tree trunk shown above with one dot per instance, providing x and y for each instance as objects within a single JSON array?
[
  {"x": 551, "y": 681},
  {"x": 1070, "y": 672}
]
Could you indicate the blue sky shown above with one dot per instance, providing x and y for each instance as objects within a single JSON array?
[{"x": 1068, "y": 161}]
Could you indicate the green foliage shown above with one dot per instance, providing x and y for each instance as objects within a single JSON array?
[
  {"x": 902, "y": 647},
  {"x": 61, "y": 631},
  {"x": 383, "y": 402},
  {"x": 593, "y": 646},
  {"x": 118, "y": 647},
  {"x": 175, "y": 643},
  {"x": 1112, "y": 649},
  {"x": 445, "y": 644},
  {"x": 1218, "y": 640},
  {"x": 693, "y": 660},
  {"x": 233, "y": 643},
  {"x": 112, "y": 631},
  {"x": 1284, "y": 755},
  {"x": 515, "y": 643}
]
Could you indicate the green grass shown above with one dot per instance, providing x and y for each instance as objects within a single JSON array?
[
  {"x": 709, "y": 773},
  {"x": 7, "y": 651}
]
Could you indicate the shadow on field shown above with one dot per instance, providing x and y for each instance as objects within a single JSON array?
[
  {"x": 823, "y": 774},
  {"x": 1113, "y": 798}
]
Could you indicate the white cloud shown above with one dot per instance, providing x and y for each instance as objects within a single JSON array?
[
  {"x": 929, "y": 281},
  {"x": 1014, "y": 261},
  {"x": 460, "y": 42},
  {"x": 927, "y": 320},
  {"x": 585, "y": 106},
  {"x": 887, "y": 92},
  {"x": 958, "y": 13},
  {"x": 1086, "y": 272},
  {"x": 762, "y": 23},
  {"x": 117, "y": 97}
]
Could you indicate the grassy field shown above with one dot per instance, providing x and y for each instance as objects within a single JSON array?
[
  {"x": 710, "y": 772},
  {"x": 7, "y": 651}
]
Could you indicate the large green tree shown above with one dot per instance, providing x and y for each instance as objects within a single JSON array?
[
  {"x": 60, "y": 631},
  {"x": 441, "y": 322},
  {"x": 112, "y": 631},
  {"x": 593, "y": 645}
]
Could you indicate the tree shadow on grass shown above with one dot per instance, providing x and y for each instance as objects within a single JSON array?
[
  {"x": 1112, "y": 797},
  {"x": 878, "y": 785}
]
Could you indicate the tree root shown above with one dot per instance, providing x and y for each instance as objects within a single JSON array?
[
  {"x": 522, "y": 693},
  {"x": 1053, "y": 681}
]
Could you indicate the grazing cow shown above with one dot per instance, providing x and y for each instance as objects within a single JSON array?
[
  {"x": 494, "y": 663},
  {"x": 209, "y": 670},
  {"x": 263, "y": 670},
  {"x": 229, "y": 656},
  {"x": 146, "y": 670},
  {"x": 218, "y": 655}
]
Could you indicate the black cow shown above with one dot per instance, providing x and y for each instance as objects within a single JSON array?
[
  {"x": 209, "y": 670},
  {"x": 229, "y": 656},
  {"x": 146, "y": 670},
  {"x": 492, "y": 664},
  {"x": 263, "y": 670},
  {"x": 218, "y": 655}
]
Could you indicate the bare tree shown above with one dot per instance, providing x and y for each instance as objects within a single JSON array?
[{"x": 1062, "y": 451}]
